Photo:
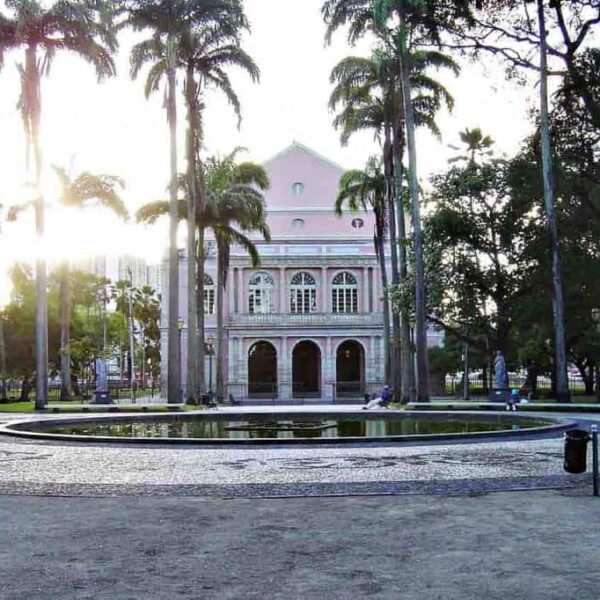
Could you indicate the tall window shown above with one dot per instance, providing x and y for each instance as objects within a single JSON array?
[
  {"x": 209, "y": 295},
  {"x": 303, "y": 293},
  {"x": 344, "y": 293},
  {"x": 260, "y": 297}
]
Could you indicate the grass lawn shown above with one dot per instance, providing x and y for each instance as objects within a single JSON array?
[
  {"x": 29, "y": 407},
  {"x": 17, "y": 407}
]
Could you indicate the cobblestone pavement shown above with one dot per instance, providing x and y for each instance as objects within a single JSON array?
[{"x": 99, "y": 470}]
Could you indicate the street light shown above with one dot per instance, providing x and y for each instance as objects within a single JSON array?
[
  {"x": 180, "y": 324},
  {"x": 596, "y": 320},
  {"x": 210, "y": 350}
]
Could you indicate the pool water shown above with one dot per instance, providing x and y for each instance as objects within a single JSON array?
[{"x": 267, "y": 427}]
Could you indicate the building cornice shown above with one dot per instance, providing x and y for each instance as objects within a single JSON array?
[{"x": 287, "y": 260}]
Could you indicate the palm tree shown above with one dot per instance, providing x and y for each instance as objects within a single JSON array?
[
  {"x": 161, "y": 51},
  {"x": 366, "y": 190},
  {"x": 201, "y": 38},
  {"x": 370, "y": 93},
  {"x": 206, "y": 53},
  {"x": 235, "y": 208},
  {"x": 423, "y": 21},
  {"x": 146, "y": 309},
  {"x": 84, "y": 191},
  {"x": 78, "y": 27},
  {"x": 477, "y": 147},
  {"x": 119, "y": 292}
]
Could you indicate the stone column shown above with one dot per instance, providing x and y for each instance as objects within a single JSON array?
[
  {"x": 371, "y": 360},
  {"x": 242, "y": 367},
  {"x": 380, "y": 374},
  {"x": 365, "y": 290},
  {"x": 284, "y": 369},
  {"x": 232, "y": 290},
  {"x": 231, "y": 366},
  {"x": 328, "y": 372},
  {"x": 325, "y": 298},
  {"x": 240, "y": 292},
  {"x": 283, "y": 291}
]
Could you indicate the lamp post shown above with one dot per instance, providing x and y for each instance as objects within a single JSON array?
[
  {"x": 210, "y": 350},
  {"x": 180, "y": 324},
  {"x": 596, "y": 320}
]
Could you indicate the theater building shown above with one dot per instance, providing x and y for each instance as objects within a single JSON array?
[{"x": 307, "y": 324}]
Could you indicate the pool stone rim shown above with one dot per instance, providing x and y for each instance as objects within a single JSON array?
[{"x": 556, "y": 425}]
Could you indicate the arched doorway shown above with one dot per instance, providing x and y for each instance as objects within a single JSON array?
[
  {"x": 306, "y": 370},
  {"x": 262, "y": 370},
  {"x": 350, "y": 369}
]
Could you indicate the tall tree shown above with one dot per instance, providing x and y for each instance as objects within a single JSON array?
[
  {"x": 366, "y": 190},
  {"x": 160, "y": 17},
  {"x": 235, "y": 208},
  {"x": 558, "y": 303},
  {"x": 201, "y": 38},
  {"x": 371, "y": 95},
  {"x": 79, "y": 27},
  {"x": 510, "y": 30},
  {"x": 146, "y": 309},
  {"x": 208, "y": 52}
]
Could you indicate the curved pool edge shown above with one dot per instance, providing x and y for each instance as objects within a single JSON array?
[{"x": 12, "y": 429}]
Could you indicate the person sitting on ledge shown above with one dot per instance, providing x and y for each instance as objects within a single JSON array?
[
  {"x": 382, "y": 401},
  {"x": 513, "y": 400}
]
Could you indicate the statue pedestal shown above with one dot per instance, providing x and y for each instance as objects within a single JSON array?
[
  {"x": 500, "y": 395},
  {"x": 102, "y": 398}
]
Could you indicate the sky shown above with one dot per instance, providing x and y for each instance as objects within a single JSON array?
[{"x": 112, "y": 128}]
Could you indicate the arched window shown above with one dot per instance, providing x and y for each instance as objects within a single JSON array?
[
  {"x": 260, "y": 297},
  {"x": 344, "y": 293},
  {"x": 209, "y": 295},
  {"x": 303, "y": 293}
]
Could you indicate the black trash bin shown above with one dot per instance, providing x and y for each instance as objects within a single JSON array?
[{"x": 576, "y": 442}]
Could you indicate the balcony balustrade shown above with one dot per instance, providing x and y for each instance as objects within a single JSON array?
[{"x": 306, "y": 320}]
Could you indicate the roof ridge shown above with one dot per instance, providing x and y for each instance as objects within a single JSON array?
[{"x": 304, "y": 148}]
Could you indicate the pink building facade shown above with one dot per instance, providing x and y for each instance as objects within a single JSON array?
[{"x": 308, "y": 323}]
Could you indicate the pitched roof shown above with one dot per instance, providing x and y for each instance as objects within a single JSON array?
[{"x": 295, "y": 145}]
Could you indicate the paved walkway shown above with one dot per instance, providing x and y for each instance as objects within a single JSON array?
[{"x": 60, "y": 468}]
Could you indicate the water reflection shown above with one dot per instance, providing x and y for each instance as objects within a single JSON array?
[{"x": 199, "y": 427}]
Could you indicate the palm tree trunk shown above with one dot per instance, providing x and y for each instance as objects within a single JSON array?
[
  {"x": 66, "y": 390},
  {"x": 2, "y": 359},
  {"x": 406, "y": 363},
  {"x": 192, "y": 352},
  {"x": 33, "y": 98},
  {"x": 143, "y": 360},
  {"x": 558, "y": 309},
  {"x": 221, "y": 282},
  {"x": 380, "y": 250},
  {"x": 173, "y": 358},
  {"x": 201, "y": 309},
  {"x": 388, "y": 168},
  {"x": 131, "y": 325},
  {"x": 420, "y": 309}
]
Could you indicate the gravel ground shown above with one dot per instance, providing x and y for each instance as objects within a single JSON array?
[
  {"x": 394, "y": 521},
  {"x": 519, "y": 545}
]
